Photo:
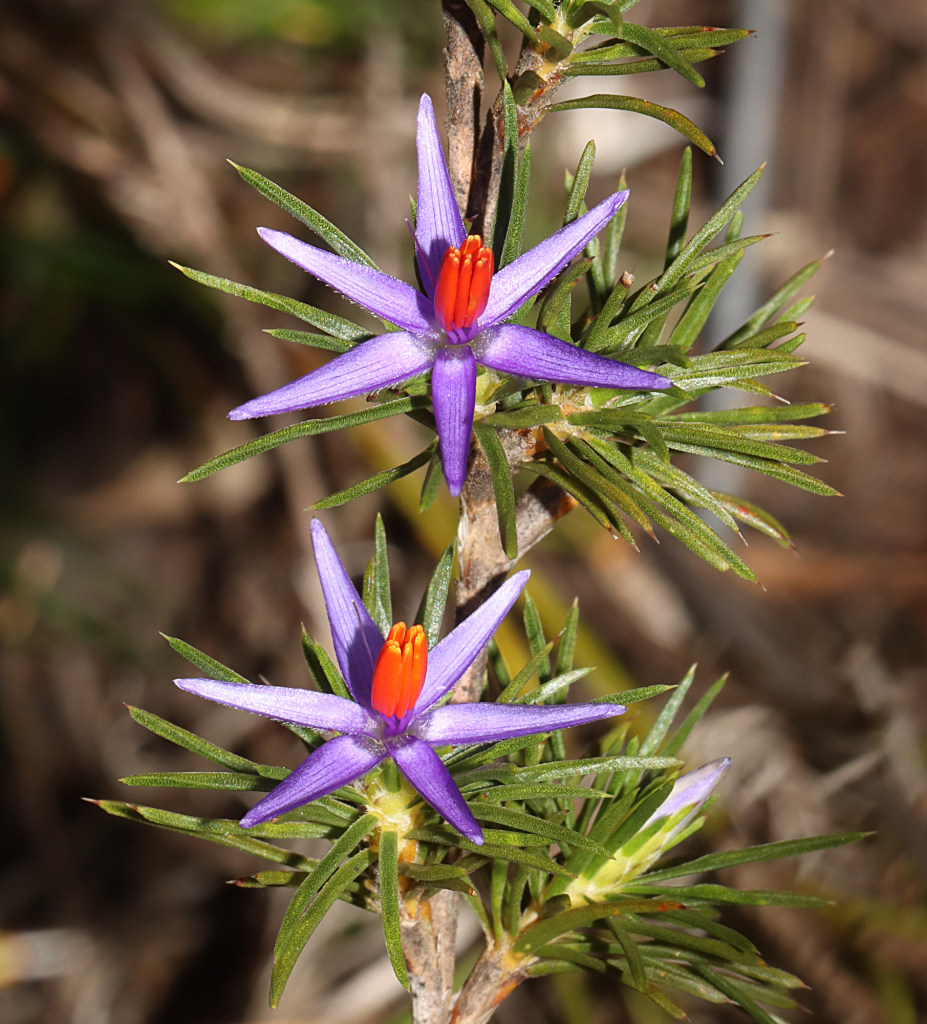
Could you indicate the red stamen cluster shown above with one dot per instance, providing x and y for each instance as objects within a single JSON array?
[
  {"x": 463, "y": 285},
  {"x": 400, "y": 671}
]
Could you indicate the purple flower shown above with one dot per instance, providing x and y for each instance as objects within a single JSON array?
[
  {"x": 395, "y": 683},
  {"x": 457, "y": 322}
]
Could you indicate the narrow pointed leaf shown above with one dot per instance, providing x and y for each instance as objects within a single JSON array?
[
  {"x": 430, "y": 612},
  {"x": 673, "y": 118},
  {"x": 377, "y": 481},
  {"x": 313, "y": 220},
  {"x": 337, "y": 326},
  {"x": 308, "y": 428},
  {"x": 503, "y": 486},
  {"x": 389, "y": 901},
  {"x": 284, "y": 963},
  {"x": 755, "y": 854}
]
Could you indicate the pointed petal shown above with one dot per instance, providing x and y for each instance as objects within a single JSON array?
[
  {"x": 526, "y": 352},
  {"x": 356, "y": 638},
  {"x": 529, "y": 273},
  {"x": 426, "y": 771},
  {"x": 304, "y": 707},
  {"x": 485, "y": 723},
  {"x": 334, "y": 764},
  {"x": 453, "y": 656},
  {"x": 691, "y": 790},
  {"x": 453, "y": 392},
  {"x": 383, "y": 295},
  {"x": 437, "y": 218},
  {"x": 383, "y": 360}
]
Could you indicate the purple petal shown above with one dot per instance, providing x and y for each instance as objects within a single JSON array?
[
  {"x": 526, "y": 352},
  {"x": 453, "y": 391},
  {"x": 334, "y": 764},
  {"x": 691, "y": 790},
  {"x": 426, "y": 771},
  {"x": 355, "y": 636},
  {"x": 383, "y": 360},
  {"x": 304, "y": 707},
  {"x": 529, "y": 273},
  {"x": 437, "y": 218},
  {"x": 484, "y": 723},
  {"x": 453, "y": 656},
  {"x": 383, "y": 295}
]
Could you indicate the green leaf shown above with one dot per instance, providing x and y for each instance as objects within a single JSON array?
[
  {"x": 613, "y": 237},
  {"x": 632, "y": 696},
  {"x": 505, "y": 200},
  {"x": 511, "y": 250},
  {"x": 756, "y": 517},
  {"x": 511, "y": 13},
  {"x": 524, "y": 419},
  {"x": 557, "y": 298},
  {"x": 723, "y": 894},
  {"x": 441, "y": 872},
  {"x": 430, "y": 612},
  {"x": 389, "y": 901},
  {"x": 240, "y": 781},
  {"x": 756, "y": 414},
  {"x": 762, "y": 339},
  {"x": 592, "y": 765},
  {"x": 535, "y": 790},
  {"x": 511, "y": 818},
  {"x": 682, "y": 201},
  {"x": 640, "y": 67},
  {"x": 691, "y": 252},
  {"x": 503, "y": 486},
  {"x": 632, "y": 954},
  {"x": 713, "y": 436},
  {"x": 737, "y": 994},
  {"x": 654, "y": 43},
  {"x": 690, "y": 489},
  {"x": 308, "y": 428},
  {"x": 559, "y": 46},
  {"x": 317, "y": 877},
  {"x": 378, "y": 480},
  {"x": 537, "y": 642},
  {"x": 487, "y": 22},
  {"x": 328, "y": 322},
  {"x": 621, "y": 335},
  {"x": 492, "y": 850},
  {"x": 377, "y": 598},
  {"x": 682, "y": 733},
  {"x": 775, "y": 303},
  {"x": 714, "y": 947},
  {"x": 324, "y": 671},
  {"x": 190, "y": 741},
  {"x": 222, "y": 833},
  {"x": 573, "y": 487},
  {"x": 608, "y": 101},
  {"x": 754, "y": 855},
  {"x": 214, "y": 669},
  {"x": 580, "y": 917},
  {"x": 661, "y": 726},
  {"x": 544, "y": 7},
  {"x": 770, "y": 467},
  {"x": 514, "y": 688},
  {"x": 431, "y": 481},
  {"x": 302, "y": 932},
  {"x": 323, "y": 341},
  {"x": 580, "y": 182},
  {"x": 313, "y": 220},
  {"x": 690, "y": 324}
]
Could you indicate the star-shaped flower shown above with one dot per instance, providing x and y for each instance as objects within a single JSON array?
[
  {"x": 459, "y": 321},
  {"x": 396, "y": 683}
]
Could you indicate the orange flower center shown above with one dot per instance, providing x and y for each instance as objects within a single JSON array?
[
  {"x": 400, "y": 671},
  {"x": 463, "y": 285}
]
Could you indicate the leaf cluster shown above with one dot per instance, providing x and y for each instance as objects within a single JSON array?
[{"x": 547, "y": 819}]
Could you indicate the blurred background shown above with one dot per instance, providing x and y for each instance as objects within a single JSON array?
[{"x": 116, "y": 119}]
